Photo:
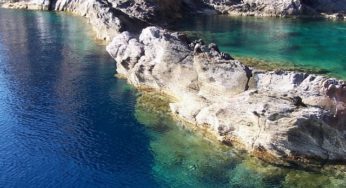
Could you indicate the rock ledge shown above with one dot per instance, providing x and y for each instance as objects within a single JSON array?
[{"x": 286, "y": 115}]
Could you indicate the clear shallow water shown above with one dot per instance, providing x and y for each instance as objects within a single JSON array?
[
  {"x": 65, "y": 121},
  {"x": 309, "y": 43}
]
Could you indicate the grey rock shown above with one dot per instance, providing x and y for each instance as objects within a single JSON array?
[
  {"x": 326, "y": 8},
  {"x": 165, "y": 11},
  {"x": 261, "y": 110},
  {"x": 106, "y": 20}
]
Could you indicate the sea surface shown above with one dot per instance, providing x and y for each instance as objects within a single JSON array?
[
  {"x": 66, "y": 121},
  {"x": 308, "y": 43}
]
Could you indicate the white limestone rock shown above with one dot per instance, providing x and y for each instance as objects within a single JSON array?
[{"x": 286, "y": 114}]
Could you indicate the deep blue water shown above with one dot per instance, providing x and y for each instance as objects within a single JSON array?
[{"x": 66, "y": 121}]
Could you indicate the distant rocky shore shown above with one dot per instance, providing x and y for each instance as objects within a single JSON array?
[
  {"x": 111, "y": 17},
  {"x": 280, "y": 116},
  {"x": 157, "y": 11}
]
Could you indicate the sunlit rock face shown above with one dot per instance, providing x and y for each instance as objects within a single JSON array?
[
  {"x": 287, "y": 114},
  {"x": 26, "y": 4},
  {"x": 206, "y": 163}
]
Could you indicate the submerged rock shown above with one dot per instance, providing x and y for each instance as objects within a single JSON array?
[{"x": 289, "y": 115}]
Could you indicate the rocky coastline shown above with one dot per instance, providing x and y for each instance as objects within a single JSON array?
[
  {"x": 165, "y": 11},
  {"x": 285, "y": 117},
  {"x": 282, "y": 8}
]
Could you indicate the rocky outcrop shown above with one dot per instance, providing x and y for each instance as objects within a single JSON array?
[
  {"x": 163, "y": 12},
  {"x": 159, "y": 12},
  {"x": 328, "y": 8},
  {"x": 26, "y": 4},
  {"x": 282, "y": 115},
  {"x": 106, "y": 20},
  {"x": 288, "y": 115},
  {"x": 258, "y": 8}
]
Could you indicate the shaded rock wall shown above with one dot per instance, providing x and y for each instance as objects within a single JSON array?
[{"x": 328, "y": 6}]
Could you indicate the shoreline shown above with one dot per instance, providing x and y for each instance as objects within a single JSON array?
[
  {"x": 300, "y": 162},
  {"x": 327, "y": 16},
  {"x": 265, "y": 65},
  {"x": 116, "y": 32},
  {"x": 254, "y": 62},
  {"x": 297, "y": 162},
  {"x": 203, "y": 109},
  {"x": 251, "y": 162}
]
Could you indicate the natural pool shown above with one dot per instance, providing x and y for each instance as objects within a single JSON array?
[
  {"x": 66, "y": 121},
  {"x": 307, "y": 43}
]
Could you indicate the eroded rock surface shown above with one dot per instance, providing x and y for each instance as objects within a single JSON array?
[
  {"x": 328, "y": 8},
  {"x": 165, "y": 11},
  {"x": 286, "y": 114}
]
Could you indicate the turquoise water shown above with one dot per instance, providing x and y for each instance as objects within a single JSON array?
[
  {"x": 310, "y": 43},
  {"x": 66, "y": 121}
]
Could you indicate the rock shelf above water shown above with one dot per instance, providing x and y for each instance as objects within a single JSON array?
[{"x": 288, "y": 115}]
